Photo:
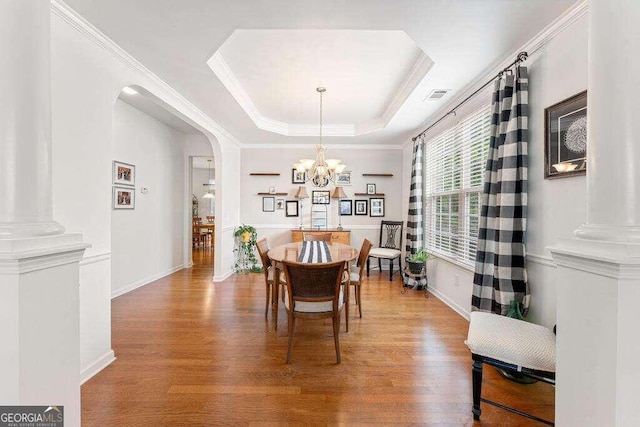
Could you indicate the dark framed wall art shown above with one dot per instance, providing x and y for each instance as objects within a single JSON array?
[{"x": 565, "y": 137}]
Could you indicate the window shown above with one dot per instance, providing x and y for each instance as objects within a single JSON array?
[{"x": 454, "y": 163}]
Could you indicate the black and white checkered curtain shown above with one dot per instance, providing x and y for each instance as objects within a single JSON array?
[
  {"x": 415, "y": 223},
  {"x": 500, "y": 274}
]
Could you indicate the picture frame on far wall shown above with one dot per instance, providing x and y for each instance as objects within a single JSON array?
[
  {"x": 297, "y": 177},
  {"x": 346, "y": 207},
  {"x": 376, "y": 206},
  {"x": 361, "y": 207},
  {"x": 124, "y": 197},
  {"x": 343, "y": 178},
  {"x": 280, "y": 204},
  {"x": 268, "y": 204},
  {"x": 124, "y": 173},
  {"x": 291, "y": 208},
  {"x": 320, "y": 197},
  {"x": 565, "y": 138},
  {"x": 371, "y": 189}
]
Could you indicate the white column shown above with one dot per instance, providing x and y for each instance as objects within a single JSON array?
[
  {"x": 39, "y": 266},
  {"x": 598, "y": 374},
  {"x": 25, "y": 120}
]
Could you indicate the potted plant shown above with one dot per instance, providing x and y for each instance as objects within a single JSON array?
[
  {"x": 417, "y": 260},
  {"x": 246, "y": 260}
]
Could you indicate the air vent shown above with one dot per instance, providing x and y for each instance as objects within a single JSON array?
[{"x": 436, "y": 94}]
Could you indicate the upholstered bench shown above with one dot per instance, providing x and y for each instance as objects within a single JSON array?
[{"x": 508, "y": 343}]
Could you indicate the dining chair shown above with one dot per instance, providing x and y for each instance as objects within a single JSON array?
[
  {"x": 263, "y": 251},
  {"x": 197, "y": 236},
  {"x": 356, "y": 275},
  {"x": 314, "y": 291},
  {"x": 389, "y": 247},
  {"x": 323, "y": 237}
]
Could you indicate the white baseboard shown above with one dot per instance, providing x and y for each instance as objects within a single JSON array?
[
  {"x": 455, "y": 307},
  {"x": 97, "y": 366},
  {"x": 144, "y": 281},
  {"x": 223, "y": 276}
]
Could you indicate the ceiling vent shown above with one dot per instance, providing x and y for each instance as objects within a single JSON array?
[{"x": 436, "y": 94}]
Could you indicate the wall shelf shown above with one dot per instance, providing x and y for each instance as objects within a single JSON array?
[
  {"x": 264, "y": 174},
  {"x": 273, "y": 194},
  {"x": 388, "y": 175},
  {"x": 370, "y": 195}
]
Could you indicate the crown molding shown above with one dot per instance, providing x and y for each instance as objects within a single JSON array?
[
  {"x": 84, "y": 27},
  {"x": 420, "y": 68},
  {"x": 531, "y": 47}
]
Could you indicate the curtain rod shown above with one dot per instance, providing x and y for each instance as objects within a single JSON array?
[{"x": 522, "y": 56}]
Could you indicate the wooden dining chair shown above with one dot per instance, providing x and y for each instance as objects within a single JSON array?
[
  {"x": 263, "y": 250},
  {"x": 323, "y": 237},
  {"x": 356, "y": 275},
  {"x": 314, "y": 291}
]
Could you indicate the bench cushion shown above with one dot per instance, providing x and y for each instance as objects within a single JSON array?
[{"x": 512, "y": 341}]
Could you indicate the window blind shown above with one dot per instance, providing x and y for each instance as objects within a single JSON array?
[{"x": 454, "y": 163}]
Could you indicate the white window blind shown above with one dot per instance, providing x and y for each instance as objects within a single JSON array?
[{"x": 454, "y": 163}]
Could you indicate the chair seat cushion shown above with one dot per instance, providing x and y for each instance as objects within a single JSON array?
[
  {"x": 313, "y": 307},
  {"x": 384, "y": 253},
  {"x": 283, "y": 278},
  {"x": 354, "y": 276},
  {"x": 512, "y": 341}
]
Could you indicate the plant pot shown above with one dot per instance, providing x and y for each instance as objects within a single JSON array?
[
  {"x": 245, "y": 237},
  {"x": 415, "y": 267}
]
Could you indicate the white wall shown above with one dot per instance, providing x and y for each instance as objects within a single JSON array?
[
  {"x": 146, "y": 242},
  {"x": 88, "y": 72},
  {"x": 276, "y": 226},
  {"x": 556, "y": 207}
]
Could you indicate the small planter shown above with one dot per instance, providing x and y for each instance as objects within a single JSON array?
[
  {"x": 415, "y": 267},
  {"x": 245, "y": 237}
]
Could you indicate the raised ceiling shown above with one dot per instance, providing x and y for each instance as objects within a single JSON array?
[
  {"x": 462, "y": 39},
  {"x": 273, "y": 75}
]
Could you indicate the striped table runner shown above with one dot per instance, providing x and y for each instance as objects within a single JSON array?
[{"x": 315, "y": 252}]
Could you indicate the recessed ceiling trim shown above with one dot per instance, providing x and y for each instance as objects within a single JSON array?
[
  {"x": 420, "y": 69},
  {"x": 414, "y": 77}
]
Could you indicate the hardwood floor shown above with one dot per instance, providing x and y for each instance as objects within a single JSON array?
[{"x": 194, "y": 353}]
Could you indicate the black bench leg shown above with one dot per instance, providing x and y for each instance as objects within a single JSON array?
[
  {"x": 367, "y": 267},
  {"x": 390, "y": 270},
  {"x": 477, "y": 387}
]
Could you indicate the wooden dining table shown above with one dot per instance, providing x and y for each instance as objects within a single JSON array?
[
  {"x": 210, "y": 226},
  {"x": 291, "y": 252}
]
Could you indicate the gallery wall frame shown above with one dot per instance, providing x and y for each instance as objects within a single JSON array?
[
  {"x": 123, "y": 197},
  {"x": 376, "y": 206},
  {"x": 361, "y": 207},
  {"x": 291, "y": 208},
  {"x": 124, "y": 173},
  {"x": 322, "y": 197},
  {"x": 268, "y": 204}
]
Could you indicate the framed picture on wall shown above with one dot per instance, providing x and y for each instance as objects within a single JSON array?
[
  {"x": 280, "y": 204},
  {"x": 343, "y": 178},
  {"x": 292, "y": 208},
  {"x": 371, "y": 189},
  {"x": 346, "y": 207},
  {"x": 361, "y": 207},
  {"x": 376, "y": 207},
  {"x": 297, "y": 177},
  {"x": 320, "y": 197},
  {"x": 124, "y": 173},
  {"x": 268, "y": 204},
  {"x": 124, "y": 197},
  {"x": 565, "y": 137}
]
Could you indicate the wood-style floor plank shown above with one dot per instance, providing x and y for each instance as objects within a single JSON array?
[{"x": 194, "y": 353}]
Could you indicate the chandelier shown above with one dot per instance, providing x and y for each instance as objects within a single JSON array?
[
  {"x": 210, "y": 194},
  {"x": 320, "y": 171}
]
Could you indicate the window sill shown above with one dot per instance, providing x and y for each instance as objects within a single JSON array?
[{"x": 450, "y": 260}]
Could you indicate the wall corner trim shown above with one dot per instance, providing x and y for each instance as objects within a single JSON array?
[{"x": 97, "y": 366}]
